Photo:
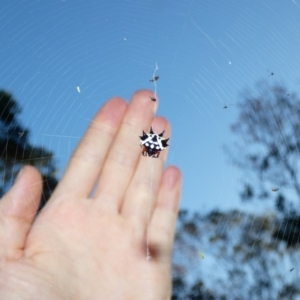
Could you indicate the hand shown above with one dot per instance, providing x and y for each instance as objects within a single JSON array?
[{"x": 95, "y": 247}]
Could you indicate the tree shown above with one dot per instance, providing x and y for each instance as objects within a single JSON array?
[
  {"x": 269, "y": 133},
  {"x": 16, "y": 150},
  {"x": 268, "y": 127},
  {"x": 241, "y": 258}
]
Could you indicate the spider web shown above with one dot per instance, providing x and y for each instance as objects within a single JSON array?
[{"x": 63, "y": 59}]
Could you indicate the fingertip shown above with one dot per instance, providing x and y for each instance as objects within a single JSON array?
[
  {"x": 155, "y": 99},
  {"x": 25, "y": 193},
  {"x": 172, "y": 177},
  {"x": 18, "y": 208},
  {"x": 141, "y": 100},
  {"x": 113, "y": 111}
]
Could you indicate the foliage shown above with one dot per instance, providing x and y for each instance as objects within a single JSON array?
[
  {"x": 268, "y": 131},
  {"x": 243, "y": 258},
  {"x": 268, "y": 151},
  {"x": 16, "y": 150}
]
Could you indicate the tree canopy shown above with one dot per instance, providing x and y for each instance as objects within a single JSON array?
[
  {"x": 232, "y": 255},
  {"x": 16, "y": 150},
  {"x": 237, "y": 255},
  {"x": 268, "y": 145}
]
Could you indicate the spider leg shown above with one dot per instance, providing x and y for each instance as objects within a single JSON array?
[
  {"x": 156, "y": 155},
  {"x": 144, "y": 151}
]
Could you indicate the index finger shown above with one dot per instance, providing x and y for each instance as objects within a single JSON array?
[{"x": 89, "y": 156}]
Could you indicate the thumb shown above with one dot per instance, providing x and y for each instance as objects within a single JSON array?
[{"x": 17, "y": 211}]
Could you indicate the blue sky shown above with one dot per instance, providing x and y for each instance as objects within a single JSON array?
[{"x": 207, "y": 52}]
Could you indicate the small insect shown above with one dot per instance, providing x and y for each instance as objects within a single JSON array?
[
  {"x": 292, "y": 269},
  {"x": 227, "y": 105},
  {"x": 153, "y": 143},
  {"x": 275, "y": 189},
  {"x": 152, "y": 98},
  {"x": 154, "y": 78},
  {"x": 271, "y": 74}
]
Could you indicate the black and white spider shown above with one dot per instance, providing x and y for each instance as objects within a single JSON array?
[{"x": 152, "y": 143}]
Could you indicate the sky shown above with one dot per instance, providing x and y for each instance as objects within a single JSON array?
[{"x": 63, "y": 59}]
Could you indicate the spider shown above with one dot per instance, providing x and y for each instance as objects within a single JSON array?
[
  {"x": 153, "y": 143},
  {"x": 154, "y": 78}
]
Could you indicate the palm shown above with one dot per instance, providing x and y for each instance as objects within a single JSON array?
[{"x": 82, "y": 248}]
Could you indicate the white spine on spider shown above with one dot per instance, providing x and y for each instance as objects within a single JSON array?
[{"x": 153, "y": 143}]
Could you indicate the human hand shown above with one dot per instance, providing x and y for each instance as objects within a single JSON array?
[{"x": 95, "y": 247}]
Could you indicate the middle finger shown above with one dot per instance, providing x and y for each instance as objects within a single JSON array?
[{"x": 123, "y": 157}]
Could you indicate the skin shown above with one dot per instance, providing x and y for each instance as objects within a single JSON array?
[{"x": 95, "y": 247}]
